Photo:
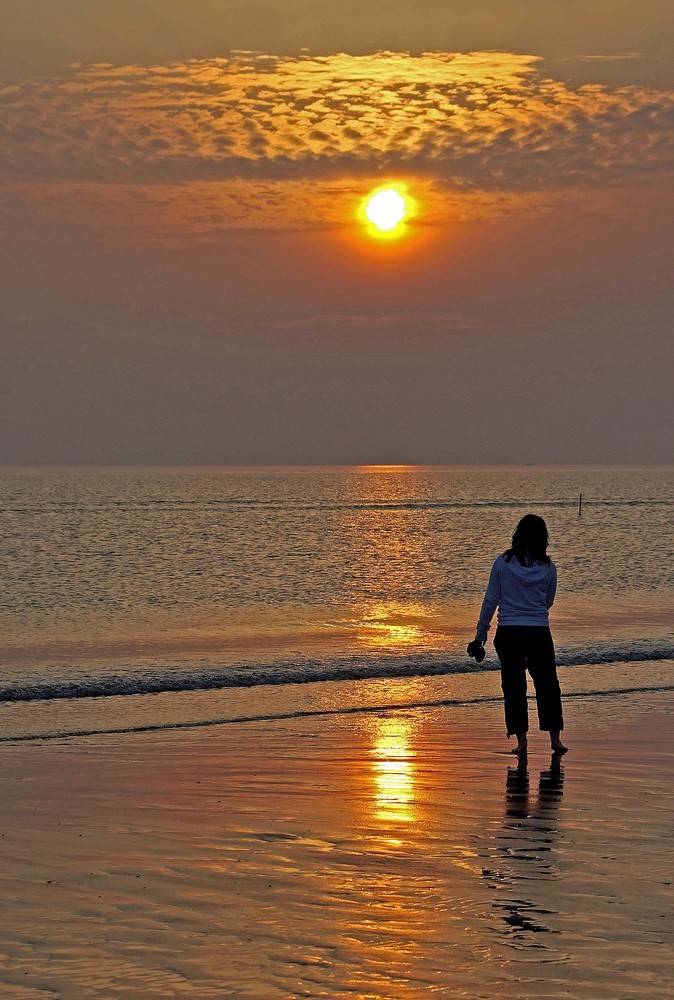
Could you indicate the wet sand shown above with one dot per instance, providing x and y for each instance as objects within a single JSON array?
[{"x": 374, "y": 855}]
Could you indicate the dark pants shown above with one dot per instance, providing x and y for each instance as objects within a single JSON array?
[{"x": 521, "y": 648}]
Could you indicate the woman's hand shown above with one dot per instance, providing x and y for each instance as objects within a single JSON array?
[{"x": 476, "y": 650}]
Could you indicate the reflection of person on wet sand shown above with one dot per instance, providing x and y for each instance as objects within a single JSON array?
[
  {"x": 527, "y": 836},
  {"x": 522, "y": 585},
  {"x": 550, "y": 790}
]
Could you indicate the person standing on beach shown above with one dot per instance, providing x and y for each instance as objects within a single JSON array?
[{"x": 522, "y": 585}]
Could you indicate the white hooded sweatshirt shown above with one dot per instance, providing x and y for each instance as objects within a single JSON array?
[{"x": 522, "y": 594}]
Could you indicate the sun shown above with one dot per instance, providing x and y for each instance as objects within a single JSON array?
[{"x": 386, "y": 210}]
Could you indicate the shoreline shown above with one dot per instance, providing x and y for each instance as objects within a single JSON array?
[
  {"x": 61, "y": 718},
  {"x": 380, "y": 854}
]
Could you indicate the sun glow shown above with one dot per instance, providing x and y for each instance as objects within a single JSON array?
[{"x": 386, "y": 211}]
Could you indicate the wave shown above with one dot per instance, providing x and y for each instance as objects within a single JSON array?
[
  {"x": 173, "y": 680},
  {"x": 60, "y": 734}
]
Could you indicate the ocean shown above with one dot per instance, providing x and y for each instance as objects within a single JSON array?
[{"x": 142, "y": 598}]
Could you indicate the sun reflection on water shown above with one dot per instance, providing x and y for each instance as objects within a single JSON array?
[
  {"x": 394, "y": 771},
  {"x": 390, "y": 624}
]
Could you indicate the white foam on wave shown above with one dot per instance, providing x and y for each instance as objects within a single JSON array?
[{"x": 307, "y": 672}]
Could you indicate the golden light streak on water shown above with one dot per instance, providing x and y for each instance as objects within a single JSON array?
[
  {"x": 392, "y": 625},
  {"x": 394, "y": 772}
]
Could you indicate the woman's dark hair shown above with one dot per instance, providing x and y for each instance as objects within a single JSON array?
[{"x": 530, "y": 541}]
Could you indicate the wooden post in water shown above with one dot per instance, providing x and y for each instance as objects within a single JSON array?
[{"x": 580, "y": 505}]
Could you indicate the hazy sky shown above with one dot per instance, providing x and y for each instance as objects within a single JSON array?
[{"x": 184, "y": 277}]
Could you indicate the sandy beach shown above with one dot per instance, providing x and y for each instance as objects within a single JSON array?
[{"x": 374, "y": 855}]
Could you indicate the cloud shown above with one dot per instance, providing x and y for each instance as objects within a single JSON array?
[
  {"x": 476, "y": 121},
  {"x": 612, "y": 57},
  {"x": 406, "y": 328}
]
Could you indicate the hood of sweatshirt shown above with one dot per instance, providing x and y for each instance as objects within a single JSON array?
[{"x": 528, "y": 575}]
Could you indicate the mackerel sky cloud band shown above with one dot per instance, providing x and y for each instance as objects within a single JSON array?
[{"x": 481, "y": 119}]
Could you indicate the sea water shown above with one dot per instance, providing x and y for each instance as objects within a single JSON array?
[{"x": 136, "y": 598}]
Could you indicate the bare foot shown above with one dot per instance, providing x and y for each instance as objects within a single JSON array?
[
  {"x": 520, "y": 748},
  {"x": 558, "y": 747}
]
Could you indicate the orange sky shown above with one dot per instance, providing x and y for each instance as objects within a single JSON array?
[{"x": 187, "y": 280}]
